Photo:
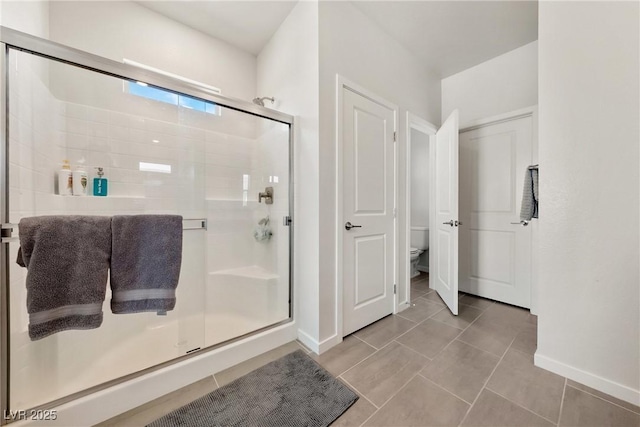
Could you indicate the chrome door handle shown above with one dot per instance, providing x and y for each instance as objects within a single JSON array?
[
  {"x": 523, "y": 223},
  {"x": 449, "y": 223},
  {"x": 457, "y": 223},
  {"x": 349, "y": 226}
]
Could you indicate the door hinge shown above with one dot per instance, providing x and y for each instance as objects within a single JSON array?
[
  {"x": 394, "y": 136},
  {"x": 286, "y": 221},
  {"x": 395, "y": 289},
  {"x": 395, "y": 212}
]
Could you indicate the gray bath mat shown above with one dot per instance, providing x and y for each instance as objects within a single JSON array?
[{"x": 291, "y": 391}]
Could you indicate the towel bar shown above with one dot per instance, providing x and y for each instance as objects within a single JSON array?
[
  {"x": 187, "y": 224},
  {"x": 194, "y": 224}
]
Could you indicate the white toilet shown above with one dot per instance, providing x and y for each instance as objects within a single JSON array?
[{"x": 419, "y": 244}]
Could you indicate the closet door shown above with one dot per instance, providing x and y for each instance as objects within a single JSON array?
[{"x": 496, "y": 254}]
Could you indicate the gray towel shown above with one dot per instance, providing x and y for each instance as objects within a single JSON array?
[
  {"x": 529, "y": 208},
  {"x": 67, "y": 258},
  {"x": 145, "y": 262}
]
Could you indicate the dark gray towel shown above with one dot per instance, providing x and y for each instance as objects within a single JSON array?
[
  {"x": 145, "y": 262},
  {"x": 529, "y": 207},
  {"x": 67, "y": 258}
]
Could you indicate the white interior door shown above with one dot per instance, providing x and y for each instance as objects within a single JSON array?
[
  {"x": 444, "y": 263},
  {"x": 368, "y": 171},
  {"x": 495, "y": 261}
]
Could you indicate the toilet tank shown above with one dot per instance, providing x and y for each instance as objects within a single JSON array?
[{"x": 420, "y": 237}]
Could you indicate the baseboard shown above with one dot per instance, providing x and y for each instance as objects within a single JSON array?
[
  {"x": 604, "y": 385},
  {"x": 318, "y": 347},
  {"x": 108, "y": 403},
  {"x": 330, "y": 342},
  {"x": 310, "y": 342},
  {"x": 402, "y": 307}
]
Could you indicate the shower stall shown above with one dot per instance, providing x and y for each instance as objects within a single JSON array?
[{"x": 166, "y": 146}]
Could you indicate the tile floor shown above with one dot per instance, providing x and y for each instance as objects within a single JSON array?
[{"x": 425, "y": 367}]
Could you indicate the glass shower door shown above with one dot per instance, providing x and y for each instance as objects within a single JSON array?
[
  {"x": 225, "y": 171},
  {"x": 248, "y": 261}
]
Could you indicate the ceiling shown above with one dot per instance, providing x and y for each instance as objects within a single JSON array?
[
  {"x": 447, "y": 36},
  {"x": 451, "y": 36},
  {"x": 248, "y": 25}
]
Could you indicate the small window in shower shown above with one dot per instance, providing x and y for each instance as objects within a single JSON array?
[{"x": 146, "y": 91}]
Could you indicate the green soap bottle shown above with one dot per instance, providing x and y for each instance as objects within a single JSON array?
[{"x": 100, "y": 184}]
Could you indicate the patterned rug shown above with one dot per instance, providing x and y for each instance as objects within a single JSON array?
[{"x": 290, "y": 391}]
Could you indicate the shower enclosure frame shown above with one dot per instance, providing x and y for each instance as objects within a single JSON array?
[{"x": 12, "y": 39}]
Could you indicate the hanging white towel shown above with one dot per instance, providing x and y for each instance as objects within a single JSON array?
[{"x": 529, "y": 207}]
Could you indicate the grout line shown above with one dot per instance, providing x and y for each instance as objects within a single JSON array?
[
  {"x": 415, "y": 351},
  {"x": 399, "y": 389},
  {"x": 426, "y": 318},
  {"x": 457, "y": 336},
  {"x": 449, "y": 343},
  {"x": 505, "y": 397},
  {"x": 416, "y": 324},
  {"x": 478, "y": 348},
  {"x": 450, "y": 325},
  {"x": 376, "y": 350},
  {"x": 484, "y": 385},
  {"x": 409, "y": 330},
  {"x": 360, "y": 394},
  {"x": 447, "y": 390},
  {"x": 392, "y": 396},
  {"x": 473, "y": 306},
  {"x": 391, "y": 315},
  {"x": 363, "y": 341},
  {"x": 564, "y": 390},
  {"x": 521, "y": 406},
  {"x": 369, "y": 417},
  {"x": 525, "y": 353},
  {"x": 604, "y": 399},
  {"x": 216, "y": 380}
]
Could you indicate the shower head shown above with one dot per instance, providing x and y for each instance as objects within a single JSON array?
[{"x": 260, "y": 101}]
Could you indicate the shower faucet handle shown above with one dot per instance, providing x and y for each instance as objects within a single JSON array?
[{"x": 267, "y": 195}]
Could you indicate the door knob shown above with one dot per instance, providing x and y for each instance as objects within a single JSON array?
[
  {"x": 523, "y": 223},
  {"x": 449, "y": 223},
  {"x": 349, "y": 226}
]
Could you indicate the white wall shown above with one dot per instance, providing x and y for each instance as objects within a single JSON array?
[
  {"x": 589, "y": 314},
  {"x": 354, "y": 47},
  {"x": 27, "y": 16},
  {"x": 419, "y": 179},
  {"x": 288, "y": 71},
  {"x": 502, "y": 84},
  {"x": 124, "y": 29},
  {"x": 419, "y": 176}
]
